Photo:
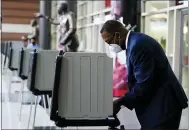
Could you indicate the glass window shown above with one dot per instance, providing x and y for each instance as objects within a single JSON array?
[
  {"x": 155, "y": 5},
  {"x": 89, "y": 37},
  {"x": 79, "y": 23},
  {"x": 79, "y": 11},
  {"x": 79, "y": 33},
  {"x": 185, "y": 55},
  {"x": 156, "y": 27},
  {"x": 89, "y": 7},
  {"x": 96, "y": 19},
  {"x": 96, "y": 6},
  {"x": 84, "y": 9},
  {"x": 84, "y": 22}
]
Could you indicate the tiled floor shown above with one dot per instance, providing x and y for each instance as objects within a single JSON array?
[{"x": 10, "y": 112}]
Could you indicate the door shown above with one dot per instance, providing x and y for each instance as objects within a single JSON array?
[{"x": 184, "y": 79}]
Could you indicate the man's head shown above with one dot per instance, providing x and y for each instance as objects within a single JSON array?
[
  {"x": 34, "y": 23},
  {"x": 114, "y": 33},
  {"x": 33, "y": 40},
  {"x": 24, "y": 38},
  {"x": 63, "y": 8}
]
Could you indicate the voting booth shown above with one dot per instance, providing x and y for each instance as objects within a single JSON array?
[
  {"x": 82, "y": 93},
  {"x": 13, "y": 55},
  {"x": 13, "y": 64},
  {"x": 4, "y": 49},
  {"x": 41, "y": 71},
  {"x": 13, "y": 59},
  {"x": 24, "y": 56},
  {"x": 6, "y": 55}
]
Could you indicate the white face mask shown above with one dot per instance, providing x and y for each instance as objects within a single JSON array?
[{"x": 114, "y": 48}]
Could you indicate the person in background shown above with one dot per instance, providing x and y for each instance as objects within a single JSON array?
[
  {"x": 116, "y": 9},
  {"x": 34, "y": 36},
  {"x": 33, "y": 44},
  {"x": 1, "y": 23},
  {"x": 67, "y": 21},
  {"x": 25, "y": 41},
  {"x": 154, "y": 91}
]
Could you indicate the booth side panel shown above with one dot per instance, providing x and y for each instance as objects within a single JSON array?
[
  {"x": 48, "y": 69},
  {"x": 86, "y": 86}
]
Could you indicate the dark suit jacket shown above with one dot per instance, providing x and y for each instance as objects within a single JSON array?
[{"x": 155, "y": 93}]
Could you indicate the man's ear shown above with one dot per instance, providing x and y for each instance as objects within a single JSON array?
[{"x": 117, "y": 34}]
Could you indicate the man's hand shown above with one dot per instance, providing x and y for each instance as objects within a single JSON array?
[
  {"x": 59, "y": 45},
  {"x": 38, "y": 15},
  {"x": 23, "y": 38},
  {"x": 116, "y": 107}
]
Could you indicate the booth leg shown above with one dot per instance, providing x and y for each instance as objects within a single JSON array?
[
  {"x": 30, "y": 115},
  {"x": 35, "y": 110},
  {"x": 45, "y": 106},
  {"x": 4, "y": 68},
  {"x": 4, "y": 71},
  {"x": 49, "y": 103},
  {"x": 21, "y": 99},
  {"x": 9, "y": 85}
]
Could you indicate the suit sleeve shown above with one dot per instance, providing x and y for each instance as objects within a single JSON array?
[{"x": 142, "y": 62}]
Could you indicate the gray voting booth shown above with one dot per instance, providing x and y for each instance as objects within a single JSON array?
[
  {"x": 13, "y": 55},
  {"x": 85, "y": 86},
  {"x": 41, "y": 71},
  {"x": 82, "y": 94},
  {"x": 13, "y": 63},
  {"x": 13, "y": 59},
  {"x": 24, "y": 56}
]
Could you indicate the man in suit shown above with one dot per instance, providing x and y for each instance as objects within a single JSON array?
[{"x": 154, "y": 91}]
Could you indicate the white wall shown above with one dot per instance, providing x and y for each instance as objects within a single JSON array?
[{"x": 16, "y": 28}]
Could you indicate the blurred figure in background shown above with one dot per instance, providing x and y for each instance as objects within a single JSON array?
[
  {"x": 1, "y": 23},
  {"x": 25, "y": 40},
  {"x": 35, "y": 30},
  {"x": 33, "y": 44},
  {"x": 68, "y": 41},
  {"x": 116, "y": 9},
  {"x": 34, "y": 36}
]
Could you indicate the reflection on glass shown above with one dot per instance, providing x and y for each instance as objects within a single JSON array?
[
  {"x": 155, "y": 5},
  {"x": 156, "y": 27},
  {"x": 185, "y": 55},
  {"x": 185, "y": 41},
  {"x": 185, "y": 79}
]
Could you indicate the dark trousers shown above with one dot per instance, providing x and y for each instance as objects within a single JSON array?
[{"x": 171, "y": 124}]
